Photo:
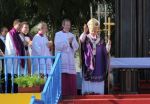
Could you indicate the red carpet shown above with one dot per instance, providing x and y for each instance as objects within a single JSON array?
[
  {"x": 144, "y": 87},
  {"x": 108, "y": 99}
]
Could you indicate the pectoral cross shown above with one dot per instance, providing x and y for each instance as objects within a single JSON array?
[{"x": 109, "y": 24}]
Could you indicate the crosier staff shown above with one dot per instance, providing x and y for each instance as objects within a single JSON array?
[{"x": 109, "y": 24}]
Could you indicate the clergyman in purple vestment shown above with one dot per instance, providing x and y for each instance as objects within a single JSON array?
[{"x": 95, "y": 53}]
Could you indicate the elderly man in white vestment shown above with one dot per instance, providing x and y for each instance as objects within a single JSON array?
[{"x": 40, "y": 47}]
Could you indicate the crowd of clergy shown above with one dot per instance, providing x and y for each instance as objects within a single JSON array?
[{"x": 94, "y": 50}]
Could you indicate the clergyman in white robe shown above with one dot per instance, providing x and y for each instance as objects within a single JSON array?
[
  {"x": 40, "y": 48},
  {"x": 68, "y": 62},
  {"x": 10, "y": 50}
]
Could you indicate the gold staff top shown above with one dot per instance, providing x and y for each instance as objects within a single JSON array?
[{"x": 109, "y": 24}]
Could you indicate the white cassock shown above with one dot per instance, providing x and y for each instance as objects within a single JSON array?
[
  {"x": 25, "y": 40},
  {"x": 10, "y": 50},
  {"x": 40, "y": 48},
  {"x": 62, "y": 45}
]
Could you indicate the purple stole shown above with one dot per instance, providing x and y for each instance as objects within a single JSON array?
[{"x": 18, "y": 44}]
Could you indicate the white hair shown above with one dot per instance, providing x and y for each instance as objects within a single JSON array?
[{"x": 41, "y": 25}]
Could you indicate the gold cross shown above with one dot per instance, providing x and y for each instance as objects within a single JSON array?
[{"x": 109, "y": 24}]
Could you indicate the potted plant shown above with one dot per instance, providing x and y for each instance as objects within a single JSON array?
[{"x": 30, "y": 84}]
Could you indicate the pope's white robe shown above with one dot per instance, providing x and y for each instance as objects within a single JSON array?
[
  {"x": 62, "y": 45},
  {"x": 40, "y": 48}
]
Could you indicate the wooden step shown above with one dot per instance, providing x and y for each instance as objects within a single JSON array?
[
  {"x": 108, "y": 99},
  {"x": 121, "y": 96}
]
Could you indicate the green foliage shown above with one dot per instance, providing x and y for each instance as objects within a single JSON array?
[
  {"x": 34, "y": 30},
  {"x": 50, "y": 11},
  {"x": 29, "y": 81}
]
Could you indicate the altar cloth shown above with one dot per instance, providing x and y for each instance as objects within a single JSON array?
[{"x": 130, "y": 62}]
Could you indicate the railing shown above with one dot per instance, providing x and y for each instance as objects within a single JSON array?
[
  {"x": 52, "y": 89},
  {"x": 12, "y": 67}
]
